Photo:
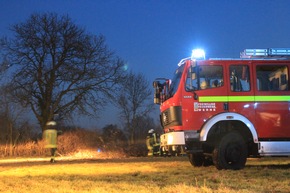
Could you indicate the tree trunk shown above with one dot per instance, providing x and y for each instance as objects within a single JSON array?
[{"x": 10, "y": 126}]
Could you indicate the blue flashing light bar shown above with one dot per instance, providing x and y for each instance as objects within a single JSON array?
[
  {"x": 263, "y": 53},
  {"x": 279, "y": 51}
]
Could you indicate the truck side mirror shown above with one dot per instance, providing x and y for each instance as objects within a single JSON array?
[{"x": 156, "y": 86}]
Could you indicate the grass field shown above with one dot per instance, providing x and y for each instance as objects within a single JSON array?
[{"x": 141, "y": 175}]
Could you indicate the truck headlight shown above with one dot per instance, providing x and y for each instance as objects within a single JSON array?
[{"x": 170, "y": 139}]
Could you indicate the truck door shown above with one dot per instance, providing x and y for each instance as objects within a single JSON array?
[
  {"x": 272, "y": 100},
  {"x": 241, "y": 94},
  {"x": 205, "y": 93}
]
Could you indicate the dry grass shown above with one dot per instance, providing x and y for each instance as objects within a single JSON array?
[{"x": 141, "y": 175}]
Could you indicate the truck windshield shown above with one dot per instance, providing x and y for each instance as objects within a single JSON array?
[
  {"x": 204, "y": 77},
  {"x": 175, "y": 80}
]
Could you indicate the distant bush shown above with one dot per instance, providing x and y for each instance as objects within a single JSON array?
[
  {"x": 69, "y": 142},
  {"x": 113, "y": 138},
  {"x": 136, "y": 150},
  {"x": 30, "y": 148},
  {"x": 75, "y": 140},
  {"x": 111, "y": 143}
]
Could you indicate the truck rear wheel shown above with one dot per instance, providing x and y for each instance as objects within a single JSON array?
[{"x": 231, "y": 152}]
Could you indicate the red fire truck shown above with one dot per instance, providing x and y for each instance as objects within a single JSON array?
[{"x": 223, "y": 110}]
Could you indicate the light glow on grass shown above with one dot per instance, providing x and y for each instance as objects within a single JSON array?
[{"x": 142, "y": 175}]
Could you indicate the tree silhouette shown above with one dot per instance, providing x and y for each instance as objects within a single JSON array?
[
  {"x": 134, "y": 102},
  {"x": 58, "y": 68}
]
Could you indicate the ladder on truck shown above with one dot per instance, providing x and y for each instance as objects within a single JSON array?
[{"x": 283, "y": 53}]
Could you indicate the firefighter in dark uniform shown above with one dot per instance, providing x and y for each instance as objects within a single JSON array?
[
  {"x": 153, "y": 143},
  {"x": 50, "y": 138}
]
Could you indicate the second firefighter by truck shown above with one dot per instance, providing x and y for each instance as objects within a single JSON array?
[{"x": 153, "y": 143}]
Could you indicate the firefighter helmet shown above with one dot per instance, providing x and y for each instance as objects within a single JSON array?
[{"x": 151, "y": 131}]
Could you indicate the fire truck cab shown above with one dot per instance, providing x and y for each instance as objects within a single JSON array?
[{"x": 223, "y": 110}]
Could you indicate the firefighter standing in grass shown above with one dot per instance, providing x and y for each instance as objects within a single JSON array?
[
  {"x": 153, "y": 143},
  {"x": 50, "y": 137}
]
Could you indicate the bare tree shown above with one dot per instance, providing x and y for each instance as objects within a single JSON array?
[
  {"x": 58, "y": 68},
  {"x": 12, "y": 119},
  {"x": 134, "y": 101}
]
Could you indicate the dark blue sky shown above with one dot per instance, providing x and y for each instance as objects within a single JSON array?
[{"x": 153, "y": 35}]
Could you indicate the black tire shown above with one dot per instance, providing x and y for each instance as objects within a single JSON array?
[
  {"x": 231, "y": 152},
  {"x": 196, "y": 159},
  {"x": 207, "y": 161}
]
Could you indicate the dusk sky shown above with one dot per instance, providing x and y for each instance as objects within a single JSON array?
[{"x": 152, "y": 36}]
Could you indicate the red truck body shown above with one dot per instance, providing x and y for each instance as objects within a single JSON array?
[{"x": 222, "y": 111}]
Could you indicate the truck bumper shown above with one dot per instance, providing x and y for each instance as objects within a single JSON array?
[
  {"x": 172, "y": 138},
  {"x": 186, "y": 141}
]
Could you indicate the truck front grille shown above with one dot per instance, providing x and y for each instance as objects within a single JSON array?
[{"x": 171, "y": 116}]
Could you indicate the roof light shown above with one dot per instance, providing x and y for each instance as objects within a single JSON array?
[
  {"x": 265, "y": 53},
  {"x": 198, "y": 54},
  {"x": 279, "y": 51}
]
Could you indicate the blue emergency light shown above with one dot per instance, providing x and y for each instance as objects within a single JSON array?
[{"x": 198, "y": 54}]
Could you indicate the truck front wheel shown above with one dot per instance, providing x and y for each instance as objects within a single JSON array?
[
  {"x": 231, "y": 152},
  {"x": 196, "y": 159}
]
